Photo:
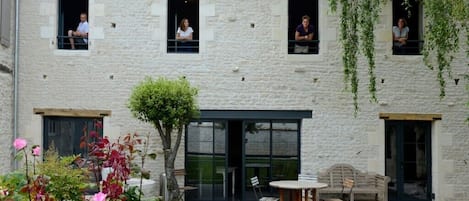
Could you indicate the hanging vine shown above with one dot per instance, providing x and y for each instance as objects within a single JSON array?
[
  {"x": 357, "y": 20},
  {"x": 445, "y": 21},
  {"x": 441, "y": 38}
]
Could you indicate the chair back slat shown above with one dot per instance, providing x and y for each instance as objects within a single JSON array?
[
  {"x": 307, "y": 177},
  {"x": 254, "y": 181},
  {"x": 179, "y": 172},
  {"x": 348, "y": 183},
  {"x": 255, "y": 187}
]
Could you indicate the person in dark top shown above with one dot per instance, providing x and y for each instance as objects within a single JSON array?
[{"x": 303, "y": 35}]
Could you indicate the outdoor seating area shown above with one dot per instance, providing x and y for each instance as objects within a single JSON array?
[{"x": 369, "y": 185}]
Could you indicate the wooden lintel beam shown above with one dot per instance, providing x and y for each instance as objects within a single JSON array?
[
  {"x": 71, "y": 112},
  {"x": 410, "y": 116}
]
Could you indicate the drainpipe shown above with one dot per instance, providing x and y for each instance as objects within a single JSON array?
[{"x": 15, "y": 80}]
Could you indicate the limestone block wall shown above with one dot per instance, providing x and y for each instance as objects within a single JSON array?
[
  {"x": 241, "y": 67},
  {"x": 6, "y": 97},
  {"x": 6, "y": 117}
]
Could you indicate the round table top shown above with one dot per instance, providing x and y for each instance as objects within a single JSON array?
[{"x": 295, "y": 184}]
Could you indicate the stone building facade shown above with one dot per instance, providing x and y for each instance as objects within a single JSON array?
[
  {"x": 242, "y": 64},
  {"x": 6, "y": 81}
]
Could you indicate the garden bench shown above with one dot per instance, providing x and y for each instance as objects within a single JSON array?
[{"x": 365, "y": 183}]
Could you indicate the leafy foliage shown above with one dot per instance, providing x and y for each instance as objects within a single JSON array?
[
  {"x": 58, "y": 178},
  {"x": 119, "y": 157},
  {"x": 11, "y": 185},
  {"x": 357, "y": 20},
  {"x": 170, "y": 102},
  {"x": 116, "y": 156},
  {"x": 445, "y": 22},
  {"x": 168, "y": 105}
]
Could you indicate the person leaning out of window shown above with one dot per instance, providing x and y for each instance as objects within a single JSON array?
[
  {"x": 400, "y": 33},
  {"x": 183, "y": 34},
  {"x": 303, "y": 35},
  {"x": 80, "y": 35}
]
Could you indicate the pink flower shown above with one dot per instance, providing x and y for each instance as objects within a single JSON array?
[
  {"x": 39, "y": 196},
  {"x": 93, "y": 134},
  {"x": 99, "y": 196},
  {"x": 20, "y": 143},
  {"x": 37, "y": 151},
  {"x": 99, "y": 124}
]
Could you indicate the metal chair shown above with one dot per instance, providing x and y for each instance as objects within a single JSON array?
[
  {"x": 258, "y": 192},
  {"x": 347, "y": 184}
]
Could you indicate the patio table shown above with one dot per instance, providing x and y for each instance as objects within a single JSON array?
[{"x": 296, "y": 187}]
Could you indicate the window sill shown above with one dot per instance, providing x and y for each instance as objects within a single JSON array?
[
  {"x": 177, "y": 56},
  {"x": 405, "y": 58},
  {"x": 305, "y": 57},
  {"x": 67, "y": 52}
]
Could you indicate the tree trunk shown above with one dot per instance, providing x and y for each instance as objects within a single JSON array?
[
  {"x": 170, "y": 153},
  {"x": 173, "y": 187}
]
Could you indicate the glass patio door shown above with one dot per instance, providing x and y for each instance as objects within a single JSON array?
[
  {"x": 206, "y": 159},
  {"x": 271, "y": 153},
  {"x": 223, "y": 154},
  {"x": 408, "y": 160}
]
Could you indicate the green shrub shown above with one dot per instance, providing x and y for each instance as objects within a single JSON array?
[
  {"x": 11, "y": 185},
  {"x": 65, "y": 182}
]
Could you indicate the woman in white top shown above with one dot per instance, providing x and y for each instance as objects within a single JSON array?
[
  {"x": 184, "y": 30},
  {"x": 183, "y": 34}
]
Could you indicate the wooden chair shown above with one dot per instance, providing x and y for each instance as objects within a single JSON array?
[
  {"x": 183, "y": 188},
  {"x": 258, "y": 192},
  {"x": 308, "y": 193},
  {"x": 347, "y": 184}
]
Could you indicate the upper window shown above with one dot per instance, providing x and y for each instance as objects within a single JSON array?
[
  {"x": 183, "y": 26},
  {"x": 407, "y": 29},
  {"x": 73, "y": 25},
  {"x": 65, "y": 133},
  {"x": 303, "y": 37}
]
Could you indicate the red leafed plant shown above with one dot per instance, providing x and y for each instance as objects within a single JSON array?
[{"x": 117, "y": 156}]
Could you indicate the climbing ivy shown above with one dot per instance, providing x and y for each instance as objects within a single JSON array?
[{"x": 445, "y": 22}]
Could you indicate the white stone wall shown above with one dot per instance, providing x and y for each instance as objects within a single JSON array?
[
  {"x": 6, "y": 118},
  {"x": 6, "y": 99},
  {"x": 118, "y": 58}
]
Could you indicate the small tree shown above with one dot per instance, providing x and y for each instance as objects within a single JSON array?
[{"x": 169, "y": 105}]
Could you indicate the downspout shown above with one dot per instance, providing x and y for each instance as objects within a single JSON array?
[{"x": 15, "y": 80}]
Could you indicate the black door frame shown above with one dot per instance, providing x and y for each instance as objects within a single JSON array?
[
  {"x": 249, "y": 115},
  {"x": 400, "y": 124}
]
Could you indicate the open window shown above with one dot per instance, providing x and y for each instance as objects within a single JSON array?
[
  {"x": 177, "y": 11},
  {"x": 296, "y": 10},
  {"x": 414, "y": 19},
  {"x": 69, "y": 19}
]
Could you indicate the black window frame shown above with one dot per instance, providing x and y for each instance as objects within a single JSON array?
[
  {"x": 296, "y": 10},
  {"x": 68, "y": 19},
  {"x": 414, "y": 18},
  {"x": 177, "y": 10},
  {"x": 50, "y": 130}
]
